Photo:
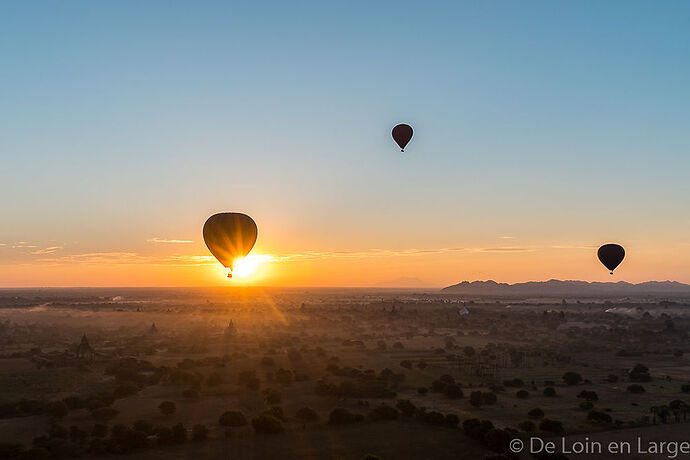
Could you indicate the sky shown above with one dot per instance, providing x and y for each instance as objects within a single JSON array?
[{"x": 542, "y": 130}]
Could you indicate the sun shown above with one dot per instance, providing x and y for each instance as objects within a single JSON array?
[{"x": 246, "y": 266}]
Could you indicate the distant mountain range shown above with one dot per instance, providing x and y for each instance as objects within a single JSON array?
[{"x": 568, "y": 288}]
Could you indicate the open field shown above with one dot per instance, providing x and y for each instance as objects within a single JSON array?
[{"x": 270, "y": 353}]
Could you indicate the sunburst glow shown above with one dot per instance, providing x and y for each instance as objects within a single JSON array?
[{"x": 248, "y": 266}]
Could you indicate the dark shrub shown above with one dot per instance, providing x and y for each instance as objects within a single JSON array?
[
  {"x": 536, "y": 413},
  {"x": 552, "y": 426},
  {"x": 497, "y": 440},
  {"x": 636, "y": 389},
  {"x": 452, "y": 420},
  {"x": 527, "y": 425},
  {"x": 640, "y": 373},
  {"x": 267, "y": 424},
  {"x": 167, "y": 408},
  {"x": 476, "y": 429},
  {"x": 340, "y": 416},
  {"x": 572, "y": 378},
  {"x": 179, "y": 433},
  {"x": 406, "y": 363},
  {"x": 143, "y": 426},
  {"x": 199, "y": 432},
  {"x": 612, "y": 378},
  {"x": 424, "y": 390},
  {"x": 434, "y": 418},
  {"x": 489, "y": 398},
  {"x": 522, "y": 394},
  {"x": 588, "y": 395},
  {"x": 383, "y": 412},
  {"x": 307, "y": 414},
  {"x": 164, "y": 435},
  {"x": 599, "y": 417},
  {"x": 406, "y": 407},
  {"x": 586, "y": 405},
  {"x": 453, "y": 391},
  {"x": 549, "y": 391},
  {"x": 513, "y": 383},
  {"x": 232, "y": 418}
]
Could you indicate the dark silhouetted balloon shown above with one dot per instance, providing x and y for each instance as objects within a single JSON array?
[
  {"x": 230, "y": 236},
  {"x": 401, "y": 135},
  {"x": 611, "y": 255}
]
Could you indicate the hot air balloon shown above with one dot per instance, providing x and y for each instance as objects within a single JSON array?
[
  {"x": 611, "y": 255},
  {"x": 402, "y": 134},
  {"x": 230, "y": 236}
]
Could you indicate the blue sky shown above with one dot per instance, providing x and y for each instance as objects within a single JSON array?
[{"x": 555, "y": 123}]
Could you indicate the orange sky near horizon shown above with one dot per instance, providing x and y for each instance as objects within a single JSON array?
[{"x": 431, "y": 268}]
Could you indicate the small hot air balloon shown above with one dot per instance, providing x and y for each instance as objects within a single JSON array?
[
  {"x": 230, "y": 236},
  {"x": 611, "y": 255},
  {"x": 402, "y": 134}
]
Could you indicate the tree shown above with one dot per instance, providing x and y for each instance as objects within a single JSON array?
[
  {"x": 598, "y": 417},
  {"x": 167, "y": 408},
  {"x": 452, "y": 420},
  {"x": 522, "y": 394},
  {"x": 406, "y": 407},
  {"x": 267, "y": 424},
  {"x": 453, "y": 391},
  {"x": 406, "y": 363},
  {"x": 143, "y": 426},
  {"x": 536, "y": 413},
  {"x": 340, "y": 416},
  {"x": 549, "y": 391},
  {"x": 527, "y": 425},
  {"x": 307, "y": 414},
  {"x": 383, "y": 412},
  {"x": 635, "y": 388},
  {"x": 640, "y": 373},
  {"x": 232, "y": 418},
  {"x": 199, "y": 432},
  {"x": 552, "y": 426},
  {"x": 179, "y": 433},
  {"x": 476, "y": 398},
  {"x": 572, "y": 378},
  {"x": 588, "y": 395}
]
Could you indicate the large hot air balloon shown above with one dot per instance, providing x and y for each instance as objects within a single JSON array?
[
  {"x": 230, "y": 236},
  {"x": 402, "y": 134},
  {"x": 611, "y": 255}
]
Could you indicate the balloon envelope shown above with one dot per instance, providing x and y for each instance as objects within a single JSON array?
[
  {"x": 230, "y": 236},
  {"x": 402, "y": 134},
  {"x": 611, "y": 255}
]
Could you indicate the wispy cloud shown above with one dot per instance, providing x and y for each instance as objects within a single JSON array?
[
  {"x": 506, "y": 237},
  {"x": 507, "y": 249},
  {"x": 169, "y": 241},
  {"x": 570, "y": 246},
  {"x": 50, "y": 250},
  {"x": 22, "y": 244}
]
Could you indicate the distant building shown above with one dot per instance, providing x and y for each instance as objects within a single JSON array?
[
  {"x": 230, "y": 330},
  {"x": 84, "y": 350}
]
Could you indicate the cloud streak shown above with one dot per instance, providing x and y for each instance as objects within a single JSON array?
[{"x": 156, "y": 239}]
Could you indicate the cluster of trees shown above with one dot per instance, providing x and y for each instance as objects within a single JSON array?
[
  {"x": 364, "y": 385},
  {"x": 482, "y": 398},
  {"x": 408, "y": 409},
  {"x": 496, "y": 439},
  {"x": 447, "y": 385},
  {"x": 60, "y": 442}
]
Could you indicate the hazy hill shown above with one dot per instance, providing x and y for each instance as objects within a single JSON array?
[{"x": 568, "y": 288}]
